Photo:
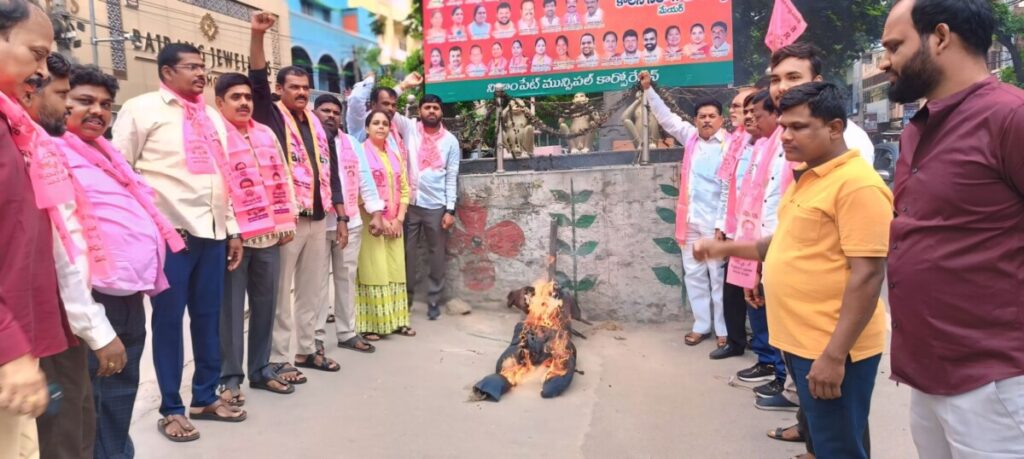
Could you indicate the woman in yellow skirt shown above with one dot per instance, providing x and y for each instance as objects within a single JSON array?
[{"x": 382, "y": 305}]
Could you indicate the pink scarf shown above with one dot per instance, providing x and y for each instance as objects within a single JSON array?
[
  {"x": 683, "y": 203},
  {"x": 727, "y": 172},
  {"x": 390, "y": 193},
  {"x": 743, "y": 272},
  {"x": 298, "y": 159},
  {"x": 257, "y": 183},
  {"x": 348, "y": 167},
  {"x": 200, "y": 138},
  {"x": 105, "y": 157},
  {"x": 53, "y": 185}
]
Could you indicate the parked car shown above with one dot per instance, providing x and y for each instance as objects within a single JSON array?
[{"x": 886, "y": 155}]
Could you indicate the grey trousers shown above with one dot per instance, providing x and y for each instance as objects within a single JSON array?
[
  {"x": 302, "y": 267},
  {"x": 344, "y": 263},
  {"x": 257, "y": 275},
  {"x": 423, "y": 223}
]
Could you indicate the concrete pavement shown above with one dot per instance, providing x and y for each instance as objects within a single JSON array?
[{"x": 644, "y": 395}]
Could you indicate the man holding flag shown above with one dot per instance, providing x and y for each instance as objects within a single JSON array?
[{"x": 697, "y": 210}]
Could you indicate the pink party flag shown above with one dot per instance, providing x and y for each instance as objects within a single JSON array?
[{"x": 785, "y": 27}]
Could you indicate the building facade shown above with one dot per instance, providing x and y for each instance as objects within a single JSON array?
[
  {"x": 328, "y": 38},
  {"x": 132, "y": 32}
]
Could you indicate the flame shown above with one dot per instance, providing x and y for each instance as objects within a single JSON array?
[{"x": 546, "y": 317}]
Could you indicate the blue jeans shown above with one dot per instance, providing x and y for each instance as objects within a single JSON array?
[
  {"x": 838, "y": 425},
  {"x": 766, "y": 354},
  {"x": 196, "y": 277}
]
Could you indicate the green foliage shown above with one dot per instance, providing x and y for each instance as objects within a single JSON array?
[
  {"x": 843, "y": 29},
  {"x": 414, "y": 21},
  {"x": 1008, "y": 27}
]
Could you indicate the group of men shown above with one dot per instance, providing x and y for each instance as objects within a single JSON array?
[
  {"x": 197, "y": 207},
  {"x": 811, "y": 232}
]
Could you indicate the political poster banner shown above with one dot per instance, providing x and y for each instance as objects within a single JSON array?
[{"x": 545, "y": 47}]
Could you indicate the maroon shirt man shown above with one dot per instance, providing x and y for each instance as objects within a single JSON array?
[{"x": 956, "y": 260}]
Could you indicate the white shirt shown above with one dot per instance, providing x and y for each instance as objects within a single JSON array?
[
  {"x": 741, "y": 171},
  {"x": 87, "y": 318},
  {"x": 435, "y": 189},
  {"x": 596, "y": 18},
  {"x": 704, "y": 188},
  {"x": 148, "y": 131},
  {"x": 855, "y": 137}
]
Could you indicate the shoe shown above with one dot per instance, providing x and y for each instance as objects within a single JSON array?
[
  {"x": 433, "y": 311},
  {"x": 757, "y": 373},
  {"x": 725, "y": 352},
  {"x": 775, "y": 403},
  {"x": 773, "y": 388}
]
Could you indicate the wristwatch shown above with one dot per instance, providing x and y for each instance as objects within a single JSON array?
[
  {"x": 343, "y": 218},
  {"x": 450, "y": 212},
  {"x": 234, "y": 236}
]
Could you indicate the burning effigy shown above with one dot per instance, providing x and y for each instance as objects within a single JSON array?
[{"x": 542, "y": 340}]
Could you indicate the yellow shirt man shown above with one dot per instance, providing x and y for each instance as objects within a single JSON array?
[{"x": 837, "y": 210}]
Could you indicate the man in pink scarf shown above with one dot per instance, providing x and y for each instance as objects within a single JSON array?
[
  {"x": 135, "y": 236},
  {"x": 305, "y": 141},
  {"x": 172, "y": 138},
  {"x": 433, "y": 167},
  {"x": 32, "y": 323}
]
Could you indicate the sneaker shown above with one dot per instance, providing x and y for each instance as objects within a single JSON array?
[
  {"x": 757, "y": 373},
  {"x": 775, "y": 403},
  {"x": 773, "y": 388},
  {"x": 433, "y": 311}
]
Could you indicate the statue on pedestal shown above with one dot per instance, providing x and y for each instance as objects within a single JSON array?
[
  {"x": 517, "y": 135},
  {"x": 583, "y": 118},
  {"x": 633, "y": 119}
]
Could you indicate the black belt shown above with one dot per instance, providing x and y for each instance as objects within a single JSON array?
[{"x": 306, "y": 213}]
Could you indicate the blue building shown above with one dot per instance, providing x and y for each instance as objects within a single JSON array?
[{"x": 325, "y": 36}]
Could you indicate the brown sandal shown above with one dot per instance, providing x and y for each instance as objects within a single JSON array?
[
  {"x": 209, "y": 413},
  {"x": 190, "y": 432},
  {"x": 236, "y": 400},
  {"x": 693, "y": 338}
]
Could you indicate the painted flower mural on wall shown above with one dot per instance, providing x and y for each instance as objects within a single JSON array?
[{"x": 475, "y": 242}]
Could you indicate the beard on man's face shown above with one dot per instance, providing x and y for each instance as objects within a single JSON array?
[
  {"x": 431, "y": 121},
  {"x": 54, "y": 124},
  {"x": 919, "y": 76}
]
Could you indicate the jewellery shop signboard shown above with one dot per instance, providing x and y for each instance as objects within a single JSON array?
[{"x": 544, "y": 47}]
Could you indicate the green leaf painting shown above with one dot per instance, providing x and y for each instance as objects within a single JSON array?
[
  {"x": 667, "y": 215},
  {"x": 585, "y": 221},
  {"x": 564, "y": 247},
  {"x": 668, "y": 245},
  {"x": 582, "y": 197},
  {"x": 670, "y": 190},
  {"x": 587, "y": 283},
  {"x": 667, "y": 276},
  {"x": 561, "y": 220},
  {"x": 586, "y": 248},
  {"x": 563, "y": 280},
  {"x": 561, "y": 196}
]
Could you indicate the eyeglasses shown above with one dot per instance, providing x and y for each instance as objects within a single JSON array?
[{"x": 194, "y": 68}]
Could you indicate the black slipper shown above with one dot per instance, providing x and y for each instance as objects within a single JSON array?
[
  {"x": 324, "y": 365},
  {"x": 352, "y": 343},
  {"x": 777, "y": 435}
]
